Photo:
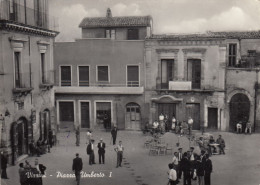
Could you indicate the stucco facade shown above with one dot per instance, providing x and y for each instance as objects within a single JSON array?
[{"x": 26, "y": 81}]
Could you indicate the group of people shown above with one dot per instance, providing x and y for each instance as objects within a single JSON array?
[
  {"x": 166, "y": 125},
  {"x": 31, "y": 175},
  {"x": 101, "y": 146},
  {"x": 210, "y": 145},
  {"x": 248, "y": 127},
  {"x": 192, "y": 166}
]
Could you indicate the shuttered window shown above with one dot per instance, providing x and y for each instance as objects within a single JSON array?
[
  {"x": 132, "y": 76},
  {"x": 194, "y": 73},
  {"x": 132, "y": 34},
  {"x": 65, "y": 75},
  {"x": 232, "y": 55},
  {"x": 83, "y": 75}
]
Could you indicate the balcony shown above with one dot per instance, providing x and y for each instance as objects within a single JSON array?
[
  {"x": 100, "y": 89},
  {"x": 47, "y": 80},
  {"x": 249, "y": 61},
  {"x": 179, "y": 85},
  {"x": 14, "y": 14}
]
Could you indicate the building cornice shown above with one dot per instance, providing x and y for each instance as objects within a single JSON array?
[{"x": 9, "y": 25}]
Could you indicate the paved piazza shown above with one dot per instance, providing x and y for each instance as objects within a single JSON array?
[{"x": 240, "y": 165}]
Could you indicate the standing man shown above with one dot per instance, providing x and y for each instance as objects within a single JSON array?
[
  {"x": 77, "y": 167},
  {"x": 50, "y": 137},
  {"x": 179, "y": 172},
  {"x": 208, "y": 170},
  {"x": 190, "y": 123},
  {"x": 4, "y": 162},
  {"x": 162, "y": 124},
  {"x": 90, "y": 152},
  {"x": 119, "y": 150},
  {"x": 114, "y": 134},
  {"x": 77, "y": 136},
  {"x": 101, "y": 151},
  {"x": 186, "y": 169},
  {"x": 222, "y": 145},
  {"x": 172, "y": 175},
  {"x": 239, "y": 127},
  {"x": 22, "y": 175}
]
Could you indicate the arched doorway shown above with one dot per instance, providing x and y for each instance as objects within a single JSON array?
[
  {"x": 19, "y": 138},
  {"x": 239, "y": 109},
  {"x": 133, "y": 116}
]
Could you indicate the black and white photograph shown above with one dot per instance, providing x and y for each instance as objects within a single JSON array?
[{"x": 130, "y": 92}]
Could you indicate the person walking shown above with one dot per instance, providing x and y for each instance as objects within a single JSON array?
[
  {"x": 208, "y": 170},
  {"x": 77, "y": 167},
  {"x": 114, "y": 134},
  {"x": 90, "y": 152},
  {"x": 4, "y": 162},
  {"x": 77, "y": 136},
  {"x": 101, "y": 151},
  {"x": 119, "y": 150},
  {"x": 22, "y": 175}
]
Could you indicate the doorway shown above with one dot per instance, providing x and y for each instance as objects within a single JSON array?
[
  {"x": 85, "y": 118},
  {"x": 212, "y": 118},
  {"x": 133, "y": 116}
]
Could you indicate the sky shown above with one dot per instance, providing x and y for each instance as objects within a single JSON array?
[{"x": 169, "y": 16}]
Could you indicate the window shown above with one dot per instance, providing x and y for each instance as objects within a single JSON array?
[
  {"x": 111, "y": 34},
  {"x": 167, "y": 73},
  {"x": 132, "y": 76},
  {"x": 232, "y": 55},
  {"x": 194, "y": 73},
  {"x": 13, "y": 10},
  {"x": 83, "y": 75},
  {"x": 65, "y": 75},
  {"x": 17, "y": 74},
  {"x": 43, "y": 70},
  {"x": 102, "y": 75},
  {"x": 66, "y": 111},
  {"x": 132, "y": 34}
]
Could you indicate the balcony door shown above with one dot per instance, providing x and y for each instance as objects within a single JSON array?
[
  {"x": 194, "y": 73},
  {"x": 167, "y": 72}
]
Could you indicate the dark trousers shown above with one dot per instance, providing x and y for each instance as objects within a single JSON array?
[
  {"x": 186, "y": 178},
  {"x": 207, "y": 178},
  {"x": 4, "y": 174},
  {"x": 114, "y": 140},
  {"x": 221, "y": 149},
  {"x": 179, "y": 171},
  {"x": 172, "y": 182},
  {"x": 91, "y": 158},
  {"x": 101, "y": 157},
  {"x": 119, "y": 158},
  {"x": 77, "y": 175}
]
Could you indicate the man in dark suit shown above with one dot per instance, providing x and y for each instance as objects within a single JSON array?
[
  {"x": 90, "y": 152},
  {"x": 101, "y": 151},
  {"x": 4, "y": 162},
  {"x": 77, "y": 167},
  {"x": 179, "y": 172},
  {"x": 114, "y": 134},
  {"x": 208, "y": 170},
  {"x": 186, "y": 168}
]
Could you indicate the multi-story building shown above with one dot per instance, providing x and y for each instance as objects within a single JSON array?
[
  {"x": 26, "y": 74},
  {"x": 99, "y": 77},
  {"x": 185, "y": 77}
]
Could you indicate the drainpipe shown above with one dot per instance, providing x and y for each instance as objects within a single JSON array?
[{"x": 256, "y": 92}]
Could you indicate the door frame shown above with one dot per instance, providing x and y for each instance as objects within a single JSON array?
[
  {"x": 90, "y": 112},
  {"x": 130, "y": 111},
  {"x": 218, "y": 117},
  {"x": 58, "y": 110},
  {"x": 95, "y": 110}
]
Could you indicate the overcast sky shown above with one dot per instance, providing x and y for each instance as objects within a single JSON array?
[{"x": 169, "y": 16}]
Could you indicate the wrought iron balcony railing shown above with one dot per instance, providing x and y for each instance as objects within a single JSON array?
[{"x": 21, "y": 14}]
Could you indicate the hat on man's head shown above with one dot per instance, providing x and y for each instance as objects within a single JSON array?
[
  {"x": 101, "y": 139},
  {"x": 92, "y": 140},
  {"x": 192, "y": 148},
  {"x": 179, "y": 148}
]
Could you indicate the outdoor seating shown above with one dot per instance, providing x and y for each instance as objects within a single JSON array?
[
  {"x": 162, "y": 149},
  {"x": 154, "y": 149}
]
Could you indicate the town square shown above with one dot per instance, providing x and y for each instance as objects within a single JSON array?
[{"x": 129, "y": 92}]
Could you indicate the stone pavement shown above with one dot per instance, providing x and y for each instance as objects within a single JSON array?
[{"x": 240, "y": 165}]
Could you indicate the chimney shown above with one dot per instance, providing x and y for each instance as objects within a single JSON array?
[{"x": 109, "y": 13}]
